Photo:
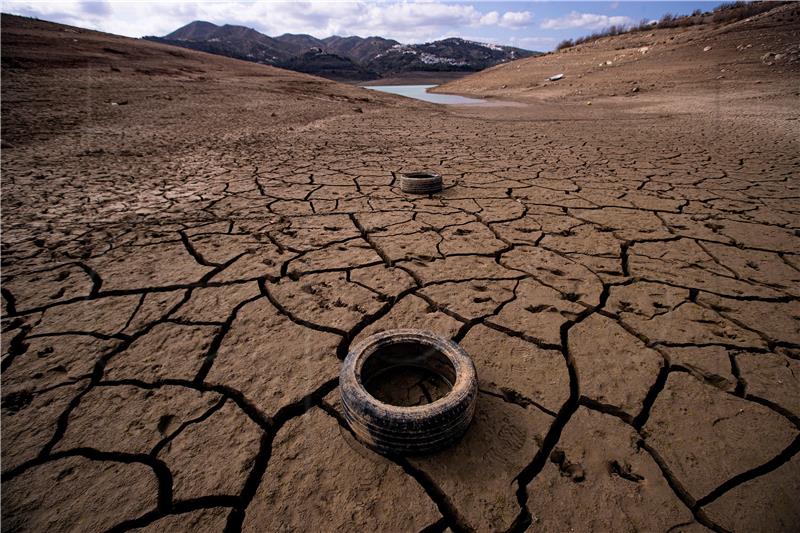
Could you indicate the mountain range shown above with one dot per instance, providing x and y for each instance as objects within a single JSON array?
[{"x": 343, "y": 58}]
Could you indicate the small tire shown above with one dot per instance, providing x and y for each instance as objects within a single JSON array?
[
  {"x": 420, "y": 182},
  {"x": 408, "y": 430}
]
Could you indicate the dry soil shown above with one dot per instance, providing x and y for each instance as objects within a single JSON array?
[{"x": 190, "y": 245}]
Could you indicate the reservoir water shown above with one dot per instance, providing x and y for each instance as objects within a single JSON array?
[{"x": 420, "y": 93}]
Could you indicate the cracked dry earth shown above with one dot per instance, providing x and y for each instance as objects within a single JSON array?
[{"x": 179, "y": 294}]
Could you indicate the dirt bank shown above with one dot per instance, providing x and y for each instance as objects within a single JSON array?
[{"x": 752, "y": 59}]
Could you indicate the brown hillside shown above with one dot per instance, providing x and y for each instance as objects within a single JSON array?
[
  {"x": 758, "y": 56},
  {"x": 57, "y": 78}
]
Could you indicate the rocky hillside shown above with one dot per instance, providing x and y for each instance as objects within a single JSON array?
[
  {"x": 337, "y": 57},
  {"x": 445, "y": 55},
  {"x": 299, "y": 43},
  {"x": 758, "y": 55},
  {"x": 332, "y": 66},
  {"x": 238, "y": 42},
  {"x": 359, "y": 49}
]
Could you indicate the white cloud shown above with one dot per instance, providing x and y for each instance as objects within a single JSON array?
[
  {"x": 515, "y": 19},
  {"x": 490, "y": 19},
  {"x": 584, "y": 20},
  {"x": 406, "y": 15},
  {"x": 404, "y": 20},
  {"x": 509, "y": 19}
]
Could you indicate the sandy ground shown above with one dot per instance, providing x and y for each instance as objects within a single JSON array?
[{"x": 190, "y": 245}]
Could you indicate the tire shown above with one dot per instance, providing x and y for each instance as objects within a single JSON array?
[
  {"x": 420, "y": 182},
  {"x": 408, "y": 430}
]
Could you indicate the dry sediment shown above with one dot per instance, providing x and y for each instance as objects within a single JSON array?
[{"x": 183, "y": 274}]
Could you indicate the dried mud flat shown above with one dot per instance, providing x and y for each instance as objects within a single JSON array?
[{"x": 191, "y": 244}]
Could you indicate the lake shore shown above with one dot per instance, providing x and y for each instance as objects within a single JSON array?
[{"x": 416, "y": 78}]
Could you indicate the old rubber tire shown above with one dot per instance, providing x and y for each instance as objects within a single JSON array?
[
  {"x": 418, "y": 429},
  {"x": 421, "y": 182}
]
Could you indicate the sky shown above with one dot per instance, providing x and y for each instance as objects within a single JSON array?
[{"x": 532, "y": 25}]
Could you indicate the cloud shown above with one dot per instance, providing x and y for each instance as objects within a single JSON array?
[
  {"x": 92, "y": 7},
  {"x": 584, "y": 20},
  {"x": 515, "y": 19},
  {"x": 509, "y": 19},
  {"x": 404, "y": 20},
  {"x": 490, "y": 19},
  {"x": 405, "y": 15}
]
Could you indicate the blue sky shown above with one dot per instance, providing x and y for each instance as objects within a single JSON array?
[{"x": 532, "y": 25}]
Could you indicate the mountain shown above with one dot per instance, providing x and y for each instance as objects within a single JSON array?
[
  {"x": 348, "y": 58},
  {"x": 232, "y": 41},
  {"x": 331, "y": 66},
  {"x": 360, "y": 50},
  {"x": 194, "y": 31},
  {"x": 300, "y": 43},
  {"x": 445, "y": 55}
]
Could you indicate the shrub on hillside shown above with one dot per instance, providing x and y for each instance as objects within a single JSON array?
[
  {"x": 567, "y": 43},
  {"x": 741, "y": 10}
]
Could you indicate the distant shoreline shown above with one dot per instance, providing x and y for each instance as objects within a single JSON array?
[{"x": 414, "y": 78}]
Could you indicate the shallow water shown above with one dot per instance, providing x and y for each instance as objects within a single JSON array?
[{"x": 419, "y": 92}]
